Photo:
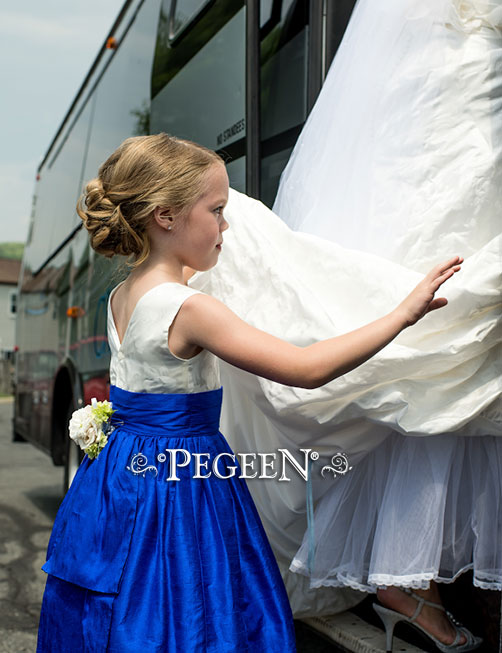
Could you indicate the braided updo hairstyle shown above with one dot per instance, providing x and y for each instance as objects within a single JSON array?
[{"x": 143, "y": 173}]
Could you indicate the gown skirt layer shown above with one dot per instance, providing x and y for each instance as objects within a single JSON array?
[
  {"x": 139, "y": 563},
  {"x": 413, "y": 510}
]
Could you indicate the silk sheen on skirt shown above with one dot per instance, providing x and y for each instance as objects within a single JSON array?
[{"x": 138, "y": 563}]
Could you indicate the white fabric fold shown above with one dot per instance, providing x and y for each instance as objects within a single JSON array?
[
  {"x": 398, "y": 167},
  {"x": 441, "y": 375}
]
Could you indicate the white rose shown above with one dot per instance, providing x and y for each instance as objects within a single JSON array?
[{"x": 83, "y": 428}]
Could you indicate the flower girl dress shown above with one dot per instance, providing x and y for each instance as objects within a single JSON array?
[{"x": 139, "y": 563}]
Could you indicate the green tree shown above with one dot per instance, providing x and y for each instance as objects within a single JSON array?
[{"x": 11, "y": 250}]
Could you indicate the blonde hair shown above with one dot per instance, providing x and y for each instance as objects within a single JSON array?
[{"x": 143, "y": 173}]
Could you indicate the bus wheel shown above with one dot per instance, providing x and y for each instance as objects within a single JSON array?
[
  {"x": 17, "y": 437},
  {"x": 73, "y": 457}
]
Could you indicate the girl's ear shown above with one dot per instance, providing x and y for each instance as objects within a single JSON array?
[{"x": 163, "y": 217}]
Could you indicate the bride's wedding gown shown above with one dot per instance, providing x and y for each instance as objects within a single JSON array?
[{"x": 399, "y": 166}]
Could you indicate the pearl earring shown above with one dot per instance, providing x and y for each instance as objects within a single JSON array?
[{"x": 169, "y": 228}]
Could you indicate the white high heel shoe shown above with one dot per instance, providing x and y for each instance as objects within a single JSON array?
[{"x": 390, "y": 618}]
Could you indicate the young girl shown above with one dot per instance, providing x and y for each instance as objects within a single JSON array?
[{"x": 157, "y": 545}]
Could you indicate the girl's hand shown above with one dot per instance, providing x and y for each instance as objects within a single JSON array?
[{"x": 421, "y": 300}]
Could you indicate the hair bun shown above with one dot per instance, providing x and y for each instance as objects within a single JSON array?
[
  {"x": 109, "y": 231},
  {"x": 95, "y": 196}
]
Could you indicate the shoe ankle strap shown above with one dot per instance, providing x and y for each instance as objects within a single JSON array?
[{"x": 420, "y": 604}]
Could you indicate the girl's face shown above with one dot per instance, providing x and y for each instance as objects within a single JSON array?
[{"x": 200, "y": 237}]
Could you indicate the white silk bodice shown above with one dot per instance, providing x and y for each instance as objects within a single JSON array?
[{"x": 144, "y": 362}]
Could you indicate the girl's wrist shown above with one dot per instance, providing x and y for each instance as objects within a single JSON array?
[{"x": 399, "y": 319}]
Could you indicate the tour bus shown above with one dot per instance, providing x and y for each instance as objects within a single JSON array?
[{"x": 237, "y": 76}]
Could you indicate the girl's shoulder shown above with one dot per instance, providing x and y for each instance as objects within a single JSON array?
[
  {"x": 127, "y": 300},
  {"x": 158, "y": 304}
]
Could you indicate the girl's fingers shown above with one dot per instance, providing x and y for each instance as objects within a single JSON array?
[
  {"x": 456, "y": 261},
  {"x": 444, "y": 273},
  {"x": 440, "y": 269},
  {"x": 438, "y": 281}
]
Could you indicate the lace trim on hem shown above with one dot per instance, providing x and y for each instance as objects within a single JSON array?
[
  {"x": 497, "y": 586},
  {"x": 299, "y": 568},
  {"x": 414, "y": 581},
  {"x": 489, "y": 581}
]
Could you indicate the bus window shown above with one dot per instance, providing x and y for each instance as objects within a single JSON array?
[
  {"x": 57, "y": 193},
  {"x": 200, "y": 84},
  {"x": 123, "y": 94},
  {"x": 182, "y": 14}
]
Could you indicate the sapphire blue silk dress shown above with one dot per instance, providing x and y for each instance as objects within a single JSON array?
[{"x": 137, "y": 562}]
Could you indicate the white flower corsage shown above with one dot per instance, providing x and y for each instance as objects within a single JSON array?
[{"x": 89, "y": 425}]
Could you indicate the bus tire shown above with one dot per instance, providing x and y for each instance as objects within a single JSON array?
[{"x": 17, "y": 437}]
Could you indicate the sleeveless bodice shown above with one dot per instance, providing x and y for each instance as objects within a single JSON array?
[{"x": 144, "y": 362}]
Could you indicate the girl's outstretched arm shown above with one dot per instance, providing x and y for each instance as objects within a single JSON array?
[{"x": 205, "y": 322}]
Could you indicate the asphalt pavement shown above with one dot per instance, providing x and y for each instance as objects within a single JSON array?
[{"x": 30, "y": 494}]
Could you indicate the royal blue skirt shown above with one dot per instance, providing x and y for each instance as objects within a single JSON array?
[{"x": 137, "y": 562}]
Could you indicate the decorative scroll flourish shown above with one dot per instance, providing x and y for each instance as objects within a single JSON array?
[
  {"x": 139, "y": 465},
  {"x": 340, "y": 465}
]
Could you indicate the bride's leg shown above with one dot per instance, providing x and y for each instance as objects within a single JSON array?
[{"x": 433, "y": 620}]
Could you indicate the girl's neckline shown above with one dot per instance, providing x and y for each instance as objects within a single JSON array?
[{"x": 110, "y": 310}]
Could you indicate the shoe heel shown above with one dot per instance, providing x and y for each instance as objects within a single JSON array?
[{"x": 389, "y": 619}]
